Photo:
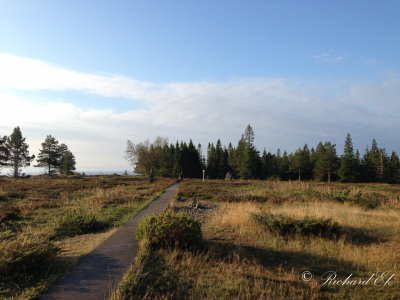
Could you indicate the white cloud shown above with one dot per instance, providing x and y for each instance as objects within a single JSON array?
[
  {"x": 31, "y": 74},
  {"x": 284, "y": 113},
  {"x": 329, "y": 58}
]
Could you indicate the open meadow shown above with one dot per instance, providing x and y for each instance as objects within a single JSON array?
[
  {"x": 278, "y": 240},
  {"x": 48, "y": 223}
]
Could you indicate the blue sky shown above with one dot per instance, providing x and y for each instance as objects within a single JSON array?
[{"x": 99, "y": 72}]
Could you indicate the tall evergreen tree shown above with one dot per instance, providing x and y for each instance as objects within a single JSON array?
[
  {"x": 283, "y": 169},
  {"x": 394, "y": 168},
  {"x": 18, "y": 152},
  {"x": 301, "y": 163},
  {"x": 67, "y": 161},
  {"x": 235, "y": 158},
  {"x": 3, "y": 152},
  {"x": 251, "y": 163},
  {"x": 327, "y": 161},
  {"x": 49, "y": 156},
  {"x": 347, "y": 163},
  {"x": 249, "y": 135},
  {"x": 250, "y": 166}
]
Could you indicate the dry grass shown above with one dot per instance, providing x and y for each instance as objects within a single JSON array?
[
  {"x": 242, "y": 260},
  {"x": 31, "y": 210}
]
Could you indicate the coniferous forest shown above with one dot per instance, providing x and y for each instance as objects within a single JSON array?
[{"x": 245, "y": 161}]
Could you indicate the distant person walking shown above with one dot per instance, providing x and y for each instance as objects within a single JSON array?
[{"x": 181, "y": 176}]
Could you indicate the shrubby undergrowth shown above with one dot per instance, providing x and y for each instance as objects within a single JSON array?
[
  {"x": 284, "y": 225},
  {"x": 78, "y": 222},
  {"x": 169, "y": 230},
  {"x": 22, "y": 259}
]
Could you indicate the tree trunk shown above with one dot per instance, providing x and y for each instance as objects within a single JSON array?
[
  {"x": 329, "y": 176},
  {"x": 299, "y": 175}
]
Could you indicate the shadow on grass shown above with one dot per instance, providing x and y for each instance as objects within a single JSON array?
[
  {"x": 358, "y": 236},
  {"x": 273, "y": 259}
]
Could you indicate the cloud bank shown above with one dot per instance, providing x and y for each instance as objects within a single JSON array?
[{"x": 284, "y": 113}]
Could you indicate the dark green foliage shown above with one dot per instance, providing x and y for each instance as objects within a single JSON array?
[
  {"x": 147, "y": 157},
  {"x": 326, "y": 161},
  {"x": 368, "y": 200},
  {"x": 19, "y": 259},
  {"x": 169, "y": 230},
  {"x": 49, "y": 155},
  {"x": 3, "y": 152},
  {"x": 301, "y": 163},
  {"x": 347, "y": 164},
  {"x": 244, "y": 162},
  {"x": 17, "y": 152},
  {"x": 217, "y": 161},
  {"x": 78, "y": 222},
  {"x": 394, "y": 168},
  {"x": 67, "y": 162},
  {"x": 284, "y": 225},
  {"x": 251, "y": 163}
]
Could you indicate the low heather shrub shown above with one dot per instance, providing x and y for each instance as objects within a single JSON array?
[
  {"x": 169, "y": 230},
  {"x": 284, "y": 225},
  {"x": 19, "y": 259},
  {"x": 78, "y": 222}
]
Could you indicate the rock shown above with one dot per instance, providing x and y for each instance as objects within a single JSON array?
[
  {"x": 194, "y": 203},
  {"x": 229, "y": 176}
]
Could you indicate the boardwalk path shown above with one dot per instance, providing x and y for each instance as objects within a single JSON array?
[{"x": 96, "y": 275}]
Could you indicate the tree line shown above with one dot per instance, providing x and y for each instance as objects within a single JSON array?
[
  {"x": 245, "y": 162},
  {"x": 53, "y": 157}
]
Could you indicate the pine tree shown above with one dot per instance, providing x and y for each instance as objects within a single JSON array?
[
  {"x": 67, "y": 160},
  {"x": 18, "y": 153},
  {"x": 49, "y": 156},
  {"x": 3, "y": 152}
]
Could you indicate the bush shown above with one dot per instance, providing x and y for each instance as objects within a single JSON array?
[
  {"x": 19, "y": 259},
  {"x": 78, "y": 222},
  {"x": 367, "y": 200},
  {"x": 285, "y": 225},
  {"x": 168, "y": 230}
]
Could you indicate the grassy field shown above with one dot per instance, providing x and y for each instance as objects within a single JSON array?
[
  {"x": 243, "y": 258},
  {"x": 46, "y": 224}
]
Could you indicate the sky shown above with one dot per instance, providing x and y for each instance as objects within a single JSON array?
[{"x": 96, "y": 73}]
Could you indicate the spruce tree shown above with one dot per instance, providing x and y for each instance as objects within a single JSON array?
[
  {"x": 67, "y": 161},
  {"x": 18, "y": 152},
  {"x": 301, "y": 163},
  {"x": 283, "y": 169},
  {"x": 394, "y": 167},
  {"x": 347, "y": 163},
  {"x": 327, "y": 161},
  {"x": 250, "y": 164}
]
